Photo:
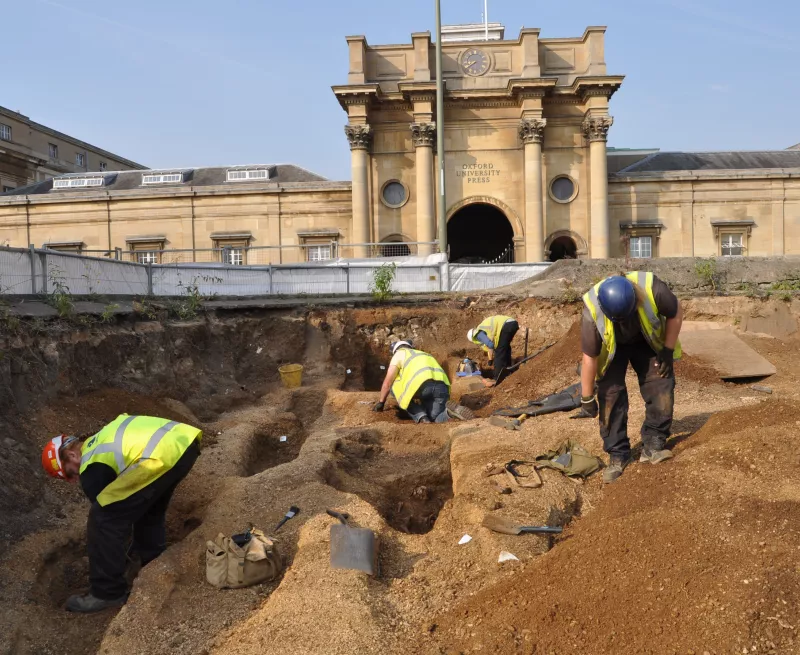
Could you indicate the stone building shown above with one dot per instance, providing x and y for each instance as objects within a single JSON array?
[
  {"x": 528, "y": 174},
  {"x": 30, "y": 152}
]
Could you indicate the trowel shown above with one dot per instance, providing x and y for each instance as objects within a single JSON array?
[{"x": 352, "y": 548}]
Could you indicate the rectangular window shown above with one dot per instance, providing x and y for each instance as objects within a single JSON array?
[
  {"x": 233, "y": 256},
  {"x": 103, "y": 166},
  {"x": 53, "y": 149},
  {"x": 147, "y": 257},
  {"x": 80, "y": 159},
  {"x": 162, "y": 178},
  {"x": 318, "y": 253},
  {"x": 244, "y": 175},
  {"x": 76, "y": 182},
  {"x": 641, "y": 247},
  {"x": 5, "y": 132},
  {"x": 732, "y": 245},
  {"x": 6, "y": 189}
]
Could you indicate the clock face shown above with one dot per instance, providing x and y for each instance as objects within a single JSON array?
[{"x": 475, "y": 62}]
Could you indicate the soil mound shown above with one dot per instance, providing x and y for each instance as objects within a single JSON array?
[{"x": 695, "y": 555}]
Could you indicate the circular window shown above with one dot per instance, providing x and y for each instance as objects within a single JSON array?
[
  {"x": 394, "y": 194},
  {"x": 563, "y": 189}
]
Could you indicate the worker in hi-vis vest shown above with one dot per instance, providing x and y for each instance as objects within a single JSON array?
[
  {"x": 630, "y": 318},
  {"x": 129, "y": 471},
  {"x": 420, "y": 386},
  {"x": 494, "y": 336}
]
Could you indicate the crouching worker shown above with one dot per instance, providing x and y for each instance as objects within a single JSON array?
[
  {"x": 420, "y": 386},
  {"x": 632, "y": 319},
  {"x": 129, "y": 471},
  {"x": 495, "y": 335}
]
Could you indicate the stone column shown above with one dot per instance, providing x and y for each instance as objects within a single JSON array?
[
  {"x": 531, "y": 133},
  {"x": 595, "y": 129},
  {"x": 359, "y": 137},
  {"x": 423, "y": 135}
]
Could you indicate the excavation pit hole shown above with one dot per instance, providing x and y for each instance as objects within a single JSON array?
[
  {"x": 408, "y": 489},
  {"x": 267, "y": 448}
]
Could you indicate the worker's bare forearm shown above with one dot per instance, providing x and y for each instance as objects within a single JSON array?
[
  {"x": 588, "y": 375},
  {"x": 388, "y": 381},
  {"x": 673, "y": 329}
]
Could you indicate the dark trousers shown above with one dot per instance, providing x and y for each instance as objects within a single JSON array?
[
  {"x": 658, "y": 394},
  {"x": 109, "y": 529},
  {"x": 502, "y": 351},
  {"x": 431, "y": 401}
]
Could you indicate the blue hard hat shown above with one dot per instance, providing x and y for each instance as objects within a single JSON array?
[{"x": 617, "y": 297}]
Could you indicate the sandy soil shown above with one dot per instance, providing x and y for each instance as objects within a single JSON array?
[{"x": 695, "y": 555}]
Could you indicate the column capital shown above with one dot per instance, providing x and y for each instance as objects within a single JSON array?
[
  {"x": 423, "y": 134},
  {"x": 595, "y": 128},
  {"x": 531, "y": 130},
  {"x": 359, "y": 136}
]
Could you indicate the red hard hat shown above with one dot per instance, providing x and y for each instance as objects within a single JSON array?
[{"x": 51, "y": 456}]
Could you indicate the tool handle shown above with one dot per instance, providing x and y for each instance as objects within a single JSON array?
[
  {"x": 281, "y": 522},
  {"x": 540, "y": 529},
  {"x": 342, "y": 516}
]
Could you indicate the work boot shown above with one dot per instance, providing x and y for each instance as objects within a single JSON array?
[
  {"x": 456, "y": 411},
  {"x": 88, "y": 604},
  {"x": 615, "y": 468},
  {"x": 654, "y": 456}
]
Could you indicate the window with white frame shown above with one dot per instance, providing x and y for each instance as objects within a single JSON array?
[
  {"x": 232, "y": 247},
  {"x": 80, "y": 159},
  {"x": 732, "y": 244},
  {"x": 243, "y": 175},
  {"x": 77, "y": 182},
  {"x": 5, "y": 132},
  {"x": 162, "y": 178},
  {"x": 233, "y": 256},
  {"x": 641, "y": 247},
  {"x": 318, "y": 253},
  {"x": 146, "y": 256},
  {"x": 53, "y": 151}
]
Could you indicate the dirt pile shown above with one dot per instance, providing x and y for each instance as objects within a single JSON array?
[{"x": 704, "y": 549}]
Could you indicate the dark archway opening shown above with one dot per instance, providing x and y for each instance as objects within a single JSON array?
[
  {"x": 480, "y": 233},
  {"x": 563, "y": 248}
]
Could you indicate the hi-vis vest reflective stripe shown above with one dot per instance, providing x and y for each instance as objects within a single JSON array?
[
  {"x": 418, "y": 368},
  {"x": 653, "y": 325},
  {"x": 140, "y": 449},
  {"x": 492, "y": 327}
]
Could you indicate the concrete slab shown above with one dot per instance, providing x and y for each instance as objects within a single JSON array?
[{"x": 726, "y": 353}]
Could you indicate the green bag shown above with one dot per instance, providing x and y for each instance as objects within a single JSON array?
[{"x": 571, "y": 459}]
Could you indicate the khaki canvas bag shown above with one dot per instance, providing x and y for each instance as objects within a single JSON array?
[{"x": 230, "y": 567}]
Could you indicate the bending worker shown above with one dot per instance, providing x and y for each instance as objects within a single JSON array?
[
  {"x": 420, "y": 386},
  {"x": 129, "y": 471},
  {"x": 633, "y": 318},
  {"x": 494, "y": 335}
]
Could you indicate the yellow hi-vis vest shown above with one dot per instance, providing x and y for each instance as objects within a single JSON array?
[
  {"x": 492, "y": 327},
  {"x": 653, "y": 325},
  {"x": 140, "y": 449},
  {"x": 418, "y": 368}
]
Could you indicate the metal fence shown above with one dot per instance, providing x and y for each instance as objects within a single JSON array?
[
  {"x": 31, "y": 271},
  {"x": 268, "y": 255}
]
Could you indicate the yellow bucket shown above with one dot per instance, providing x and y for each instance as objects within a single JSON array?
[{"x": 291, "y": 375}]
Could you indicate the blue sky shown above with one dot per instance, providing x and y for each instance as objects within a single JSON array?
[{"x": 207, "y": 82}]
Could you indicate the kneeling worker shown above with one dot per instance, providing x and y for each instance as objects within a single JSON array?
[
  {"x": 129, "y": 471},
  {"x": 420, "y": 386},
  {"x": 633, "y": 318},
  {"x": 494, "y": 335}
]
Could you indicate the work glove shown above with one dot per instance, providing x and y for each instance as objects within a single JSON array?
[
  {"x": 378, "y": 407},
  {"x": 589, "y": 408},
  {"x": 665, "y": 362}
]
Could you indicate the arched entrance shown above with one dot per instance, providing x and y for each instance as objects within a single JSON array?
[
  {"x": 480, "y": 233},
  {"x": 563, "y": 248}
]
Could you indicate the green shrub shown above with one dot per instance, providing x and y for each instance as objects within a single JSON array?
[{"x": 382, "y": 280}]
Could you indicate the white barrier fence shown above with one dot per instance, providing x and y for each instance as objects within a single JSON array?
[{"x": 32, "y": 271}]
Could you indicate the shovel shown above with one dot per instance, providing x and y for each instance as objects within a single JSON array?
[
  {"x": 352, "y": 548},
  {"x": 507, "y": 526}
]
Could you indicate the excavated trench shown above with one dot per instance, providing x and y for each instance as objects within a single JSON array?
[{"x": 221, "y": 374}]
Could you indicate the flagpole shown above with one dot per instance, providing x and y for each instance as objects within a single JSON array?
[
  {"x": 442, "y": 209},
  {"x": 486, "y": 19}
]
